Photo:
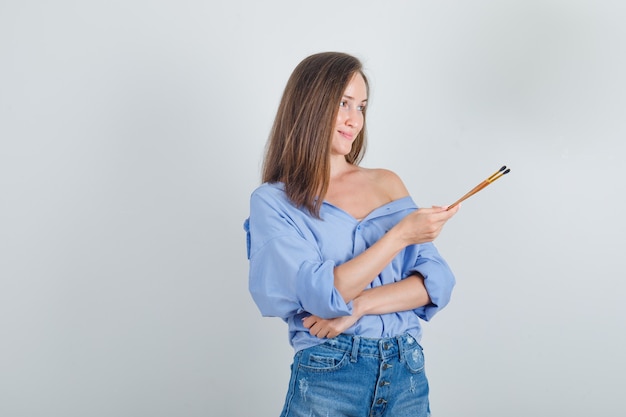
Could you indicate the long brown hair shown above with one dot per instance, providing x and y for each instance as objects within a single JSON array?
[{"x": 298, "y": 148}]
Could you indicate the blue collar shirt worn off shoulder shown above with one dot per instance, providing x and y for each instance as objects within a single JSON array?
[{"x": 292, "y": 256}]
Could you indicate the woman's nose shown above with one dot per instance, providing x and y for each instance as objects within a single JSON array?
[{"x": 353, "y": 118}]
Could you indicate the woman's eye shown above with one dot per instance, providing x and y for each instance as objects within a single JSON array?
[
  {"x": 361, "y": 108},
  {"x": 343, "y": 103}
]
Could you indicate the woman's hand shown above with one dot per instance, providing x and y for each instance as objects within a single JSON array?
[
  {"x": 328, "y": 328},
  {"x": 420, "y": 226},
  {"x": 424, "y": 225}
]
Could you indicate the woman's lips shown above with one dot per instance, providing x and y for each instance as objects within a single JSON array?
[{"x": 346, "y": 135}]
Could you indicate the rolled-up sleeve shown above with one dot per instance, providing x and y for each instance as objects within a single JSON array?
[
  {"x": 438, "y": 277},
  {"x": 287, "y": 273}
]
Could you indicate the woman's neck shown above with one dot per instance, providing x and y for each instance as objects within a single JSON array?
[{"x": 339, "y": 166}]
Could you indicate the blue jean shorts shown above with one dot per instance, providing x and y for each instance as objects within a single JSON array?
[{"x": 359, "y": 377}]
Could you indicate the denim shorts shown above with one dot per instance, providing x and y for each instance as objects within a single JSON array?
[{"x": 359, "y": 377}]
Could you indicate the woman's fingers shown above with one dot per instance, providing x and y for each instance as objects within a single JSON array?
[
  {"x": 309, "y": 321},
  {"x": 314, "y": 324},
  {"x": 425, "y": 224},
  {"x": 322, "y": 328}
]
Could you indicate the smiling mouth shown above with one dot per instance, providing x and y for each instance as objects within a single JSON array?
[{"x": 346, "y": 135}]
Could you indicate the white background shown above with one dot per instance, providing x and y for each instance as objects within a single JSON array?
[{"x": 131, "y": 137}]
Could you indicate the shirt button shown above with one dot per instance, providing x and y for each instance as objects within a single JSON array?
[
  {"x": 386, "y": 366},
  {"x": 386, "y": 346},
  {"x": 380, "y": 401}
]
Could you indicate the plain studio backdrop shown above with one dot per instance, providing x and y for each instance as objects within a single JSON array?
[{"x": 132, "y": 135}]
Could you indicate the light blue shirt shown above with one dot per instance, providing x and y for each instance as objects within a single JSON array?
[{"x": 292, "y": 257}]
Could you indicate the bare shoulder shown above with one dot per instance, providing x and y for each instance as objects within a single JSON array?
[{"x": 390, "y": 182}]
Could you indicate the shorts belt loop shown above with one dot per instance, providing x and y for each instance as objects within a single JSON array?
[
  {"x": 400, "y": 349},
  {"x": 355, "y": 348}
]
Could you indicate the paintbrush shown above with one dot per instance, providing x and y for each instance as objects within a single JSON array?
[{"x": 499, "y": 173}]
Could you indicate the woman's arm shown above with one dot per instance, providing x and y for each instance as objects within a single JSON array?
[
  {"x": 421, "y": 226},
  {"x": 407, "y": 294}
]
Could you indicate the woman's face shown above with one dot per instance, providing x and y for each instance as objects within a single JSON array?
[{"x": 350, "y": 116}]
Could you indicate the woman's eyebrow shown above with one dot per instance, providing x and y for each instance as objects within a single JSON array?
[{"x": 352, "y": 98}]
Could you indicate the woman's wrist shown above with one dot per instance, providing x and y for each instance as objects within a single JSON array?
[
  {"x": 397, "y": 238},
  {"x": 360, "y": 305}
]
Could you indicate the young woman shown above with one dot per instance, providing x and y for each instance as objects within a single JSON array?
[{"x": 342, "y": 254}]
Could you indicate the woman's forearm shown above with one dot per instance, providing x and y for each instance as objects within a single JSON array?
[
  {"x": 407, "y": 294},
  {"x": 403, "y": 295},
  {"x": 421, "y": 226},
  {"x": 354, "y": 275}
]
